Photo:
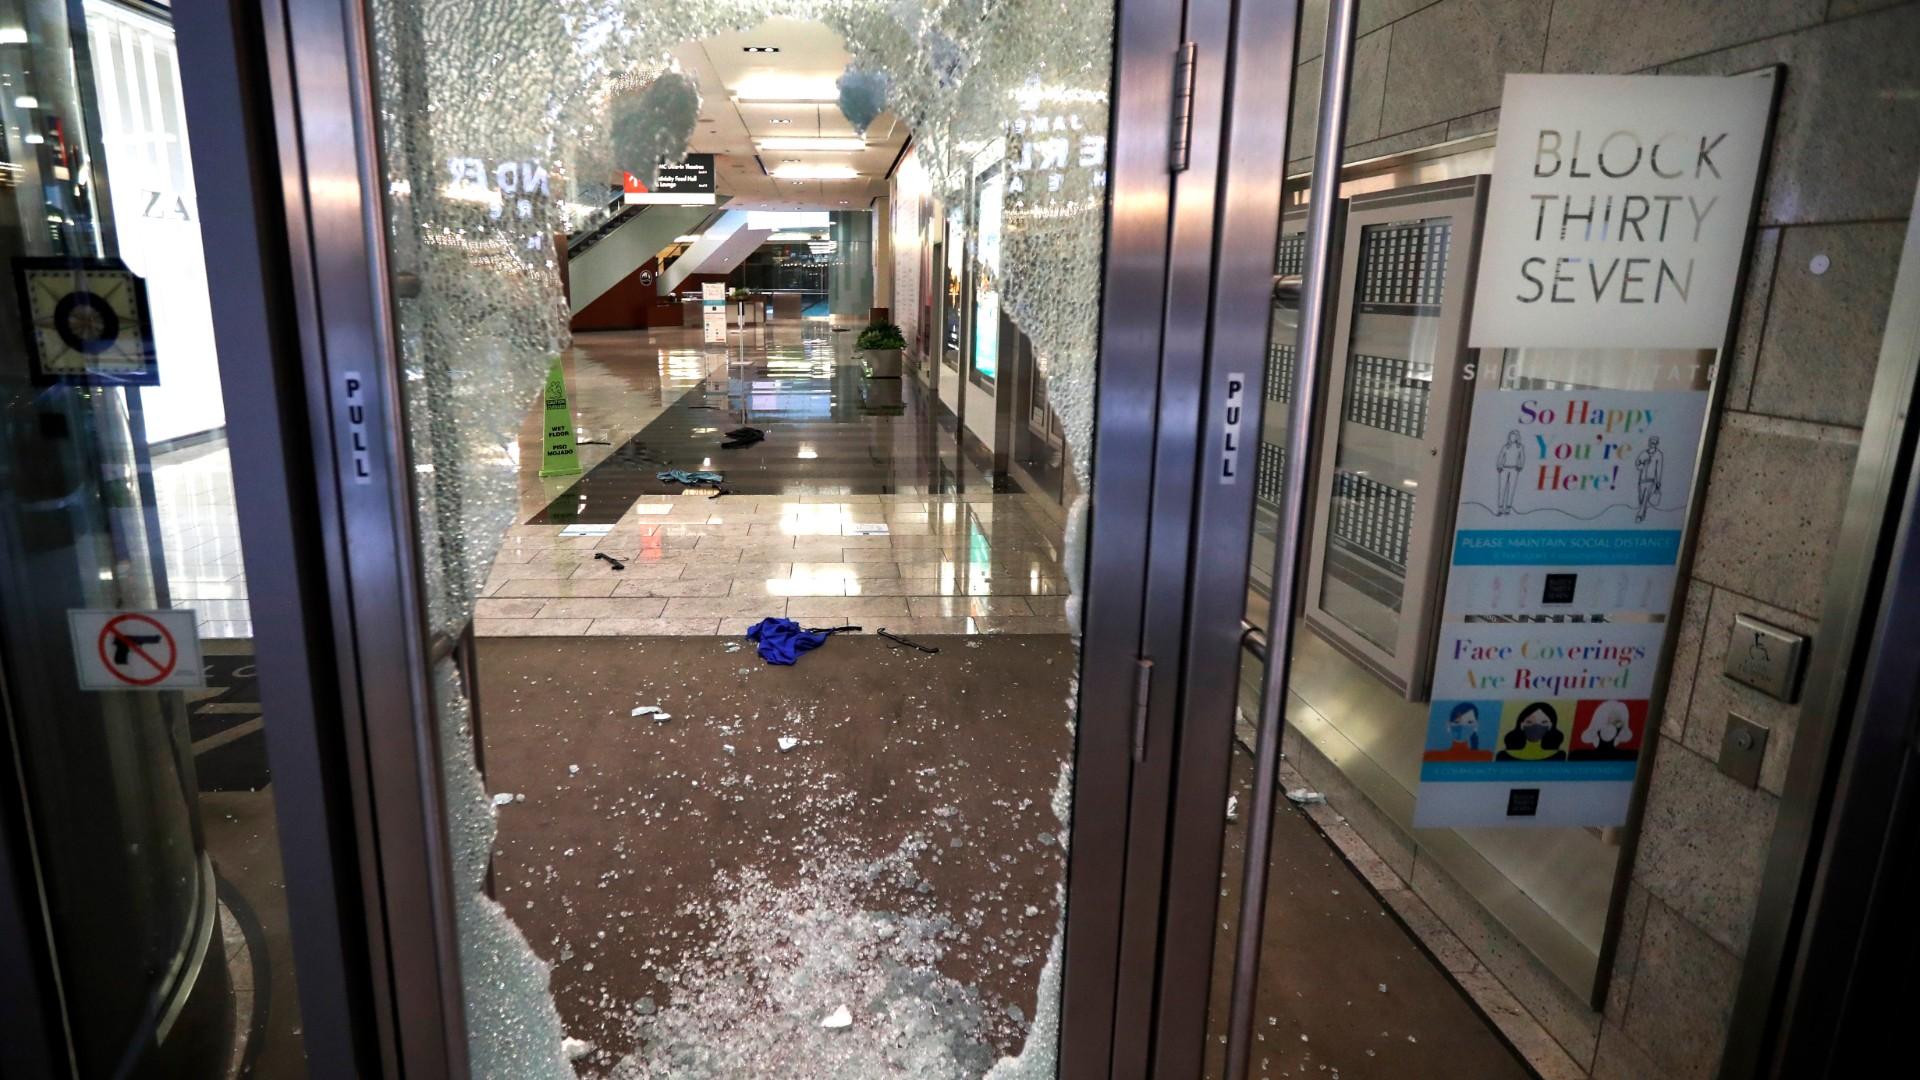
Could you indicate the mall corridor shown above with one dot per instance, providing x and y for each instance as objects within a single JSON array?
[
  {"x": 852, "y": 509},
  {"x": 958, "y": 539}
]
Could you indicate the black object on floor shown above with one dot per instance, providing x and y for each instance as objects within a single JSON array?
[
  {"x": 742, "y": 436},
  {"x": 617, "y": 564},
  {"x": 908, "y": 642}
]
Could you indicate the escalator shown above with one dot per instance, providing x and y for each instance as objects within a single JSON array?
[{"x": 614, "y": 251}]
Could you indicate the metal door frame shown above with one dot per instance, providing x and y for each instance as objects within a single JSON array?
[
  {"x": 1211, "y": 731},
  {"x": 303, "y": 314}
]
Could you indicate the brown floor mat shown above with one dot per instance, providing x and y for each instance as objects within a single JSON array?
[{"x": 711, "y": 906}]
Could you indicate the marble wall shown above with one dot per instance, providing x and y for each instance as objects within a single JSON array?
[{"x": 1840, "y": 184}]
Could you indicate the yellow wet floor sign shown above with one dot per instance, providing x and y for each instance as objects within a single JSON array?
[{"x": 562, "y": 456}]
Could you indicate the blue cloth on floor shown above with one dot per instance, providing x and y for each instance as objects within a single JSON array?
[
  {"x": 682, "y": 476},
  {"x": 782, "y": 640}
]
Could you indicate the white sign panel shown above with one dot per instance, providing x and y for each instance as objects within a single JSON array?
[
  {"x": 1618, "y": 210},
  {"x": 1580, "y": 459},
  {"x": 136, "y": 650},
  {"x": 713, "y": 312}
]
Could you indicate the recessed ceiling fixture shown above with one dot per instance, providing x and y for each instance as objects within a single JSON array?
[
  {"x": 778, "y": 120},
  {"x": 840, "y": 143},
  {"x": 760, "y": 48},
  {"x": 816, "y": 172},
  {"x": 770, "y": 89}
]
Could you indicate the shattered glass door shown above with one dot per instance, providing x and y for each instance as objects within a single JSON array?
[{"x": 676, "y": 855}]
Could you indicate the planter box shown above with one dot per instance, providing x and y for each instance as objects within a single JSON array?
[{"x": 882, "y": 363}]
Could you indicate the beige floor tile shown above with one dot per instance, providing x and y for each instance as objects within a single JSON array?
[
  {"x": 1047, "y": 605},
  {"x": 912, "y": 627},
  {"x": 525, "y": 608},
  {"x": 530, "y": 627},
  {"x": 657, "y": 570},
  {"x": 794, "y": 586},
  {"x": 928, "y": 586},
  {"x": 865, "y": 555},
  {"x": 907, "y": 543},
  {"x": 854, "y": 606},
  {"x": 551, "y": 587},
  {"x": 653, "y": 627},
  {"x": 527, "y": 571},
  {"x": 603, "y": 607},
  {"x": 924, "y": 569},
  {"x": 843, "y": 570},
  {"x": 702, "y": 568},
  {"x": 960, "y": 606},
  {"x": 1018, "y": 624},
  {"x": 724, "y": 606},
  {"x": 737, "y": 536},
  {"x": 714, "y": 586}
]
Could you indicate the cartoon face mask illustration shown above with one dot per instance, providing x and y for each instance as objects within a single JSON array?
[
  {"x": 1463, "y": 726},
  {"x": 1612, "y": 724},
  {"x": 1535, "y": 736}
]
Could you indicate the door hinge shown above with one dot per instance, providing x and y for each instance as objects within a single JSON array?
[
  {"x": 1142, "y": 684},
  {"x": 1180, "y": 144}
]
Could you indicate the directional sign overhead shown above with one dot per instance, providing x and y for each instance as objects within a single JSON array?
[
  {"x": 686, "y": 183},
  {"x": 136, "y": 650},
  {"x": 89, "y": 321}
]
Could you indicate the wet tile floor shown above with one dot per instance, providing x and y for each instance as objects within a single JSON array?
[{"x": 847, "y": 513}]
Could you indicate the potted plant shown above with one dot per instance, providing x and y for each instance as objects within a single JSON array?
[{"x": 882, "y": 344}]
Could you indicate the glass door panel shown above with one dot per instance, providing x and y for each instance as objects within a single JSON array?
[{"x": 677, "y": 848}]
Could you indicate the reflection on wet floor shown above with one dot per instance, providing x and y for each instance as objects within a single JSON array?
[
  {"x": 846, "y": 512},
  {"x": 829, "y": 430}
]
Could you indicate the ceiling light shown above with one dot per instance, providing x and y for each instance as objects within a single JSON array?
[
  {"x": 783, "y": 89},
  {"x": 779, "y": 121},
  {"x": 13, "y": 35},
  {"x": 685, "y": 239},
  {"x": 760, "y": 48},
  {"x": 34, "y": 138},
  {"x": 816, "y": 172},
  {"x": 842, "y": 143},
  {"x": 26, "y": 101}
]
